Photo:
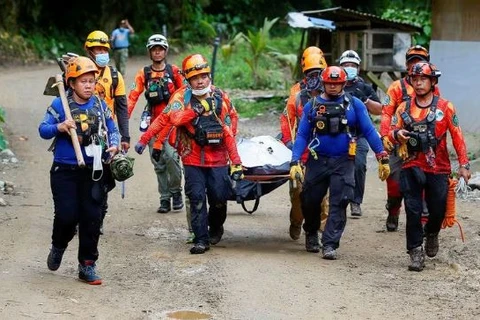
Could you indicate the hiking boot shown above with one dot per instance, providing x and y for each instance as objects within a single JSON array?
[
  {"x": 87, "y": 273},
  {"x": 355, "y": 209},
  {"x": 199, "y": 248},
  {"x": 431, "y": 244},
  {"x": 54, "y": 258},
  {"x": 311, "y": 242},
  {"x": 295, "y": 232},
  {"x": 216, "y": 235},
  {"x": 177, "y": 201},
  {"x": 392, "y": 223},
  {"x": 417, "y": 259},
  {"x": 164, "y": 206},
  {"x": 328, "y": 253}
]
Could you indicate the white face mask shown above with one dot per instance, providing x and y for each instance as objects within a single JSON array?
[{"x": 201, "y": 92}]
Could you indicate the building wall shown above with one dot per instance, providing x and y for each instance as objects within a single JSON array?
[
  {"x": 456, "y": 20},
  {"x": 459, "y": 63}
]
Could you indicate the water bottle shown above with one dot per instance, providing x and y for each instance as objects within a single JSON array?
[{"x": 145, "y": 120}]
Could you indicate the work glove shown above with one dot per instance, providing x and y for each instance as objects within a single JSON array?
[
  {"x": 198, "y": 108},
  {"x": 156, "y": 154},
  {"x": 296, "y": 172},
  {"x": 236, "y": 172},
  {"x": 140, "y": 147},
  {"x": 360, "y": 95},
  {"x": 387, "y": 144},
  {"x": 403, "y": 151},
  {"x": 383, "y": 166}
]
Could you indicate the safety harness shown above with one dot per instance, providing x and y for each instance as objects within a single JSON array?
[
  {"x": 422, "y": 133},
  {"x": 157, "y": 89}
]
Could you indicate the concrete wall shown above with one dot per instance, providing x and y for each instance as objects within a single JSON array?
[{"x": 459, "y": 62}]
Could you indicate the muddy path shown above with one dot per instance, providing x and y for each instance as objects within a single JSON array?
[{"x": 255, "y": 272}]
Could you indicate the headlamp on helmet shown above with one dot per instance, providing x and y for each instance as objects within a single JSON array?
[
  {"x": 193, "y": 65},
  {"x": 97, "y": 39},
  {"x": 157, "y": 40},
  {"x": 334, "y": 74}
]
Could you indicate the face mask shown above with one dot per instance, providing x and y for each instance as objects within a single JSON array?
[
  {"x": 351, "y": 73},
  {"x": 313, "y": 81},
  {"x": 102, "y": 59},
  {"x": 201, "y": 92}
]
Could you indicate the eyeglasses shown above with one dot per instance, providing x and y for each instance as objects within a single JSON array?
[
  {"x": 196, "y": 67},
  {"x": 102, "y": 40}
]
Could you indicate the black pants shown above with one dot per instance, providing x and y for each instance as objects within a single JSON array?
[
  {"x": 336, "y": 175},
  {"x": 202, "y": 183},
  {"x": 77, "y": 200},
  {"x": 413, "y": 183}
]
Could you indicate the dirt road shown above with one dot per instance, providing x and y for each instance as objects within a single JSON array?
[{"x": 255, "y": 272}]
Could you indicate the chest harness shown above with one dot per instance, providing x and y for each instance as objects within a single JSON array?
[
  {"x": 208, "y": 126},
  {"x": 422, "y": 133},
  {"x": 330, "y": 118},
  {"x": 157, "y": 90}
]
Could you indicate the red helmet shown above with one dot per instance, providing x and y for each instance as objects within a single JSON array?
[
  {"x": 425, "y": 69},
  {"x": 334, "y": 74}
]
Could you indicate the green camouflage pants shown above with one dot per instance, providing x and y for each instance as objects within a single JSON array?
[{"x": 120, "y": 56}]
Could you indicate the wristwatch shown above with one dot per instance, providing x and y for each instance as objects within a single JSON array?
[{"x": 466, "y": 166}]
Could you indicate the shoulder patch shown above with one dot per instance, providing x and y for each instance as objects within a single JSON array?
[
  {"x": 227, "y": 120},
  {"x": 175, "y": 105},
  {"x": 439, "y": 115},
  {"x": 455, "y": 120},
  {"x": 386, "y": 100}
]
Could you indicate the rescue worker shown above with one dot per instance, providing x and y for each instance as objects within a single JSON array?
[
  {"x": 110, "y": 87},
  {"x": 326, "y": 129},
  {"x": 356, "y": 86},
  {"x": 159, "y": 81},
  {"x": 310, "y": 86},
  {"x": 78, "y": 191},
  {"x": 206, "y": 143},
  {"x": 120, "y": 39},
  {"x": 421, "y": 128},
  {"x": 397, "y": 92}
]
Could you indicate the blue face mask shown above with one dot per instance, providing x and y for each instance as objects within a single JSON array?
[
  {"x": 351, "y": 73},
  {"x": 102, "y": 59}
]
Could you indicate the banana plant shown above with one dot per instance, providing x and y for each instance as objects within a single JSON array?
[{"x": 258, "y": 44}]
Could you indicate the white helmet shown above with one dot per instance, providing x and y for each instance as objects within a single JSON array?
[
  {"x": 157, "y": 40},
  {"x": 350, "y": 56}
]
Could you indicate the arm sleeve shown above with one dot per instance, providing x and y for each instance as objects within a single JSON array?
[
  {"x": 231, "y": 145},
  {"x": 155, "y": 128},
  {"x": 182, "y": 117},
  {"x": 48, "y": 127},
  {"x": 232, "y": 113},
  {"x": 388, "y": 109},
  {"x": 371, "y": 94},
  {"x": 111, "y": 127},
  {"x": 457, "y": 135},
  {"x": 136, "y": 91},
  {"x": 122, "y": 117},
  {"x": 288, "y": 119},
  {"x": 178, "y": 78}
]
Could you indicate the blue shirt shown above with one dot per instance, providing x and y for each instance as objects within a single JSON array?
[
  {"x": 335, "y": 145},
  {"x": 64, "y": 152},
  {"x": 120, "y": 38}
]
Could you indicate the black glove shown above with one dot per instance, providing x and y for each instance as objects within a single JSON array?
[
  {"x": 156, "y": 154},
  {"x": 198, "y": 108},
  {"x": 360, "y": 95}
]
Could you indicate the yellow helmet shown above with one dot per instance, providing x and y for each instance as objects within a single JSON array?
[
  {"x": 311, "y": 50},
  {"x": 194, "y": 64},
  {"x": 97, "y": 39},
  {"x": 78, "y": 66},
  {"x": 313, "y": 61}
]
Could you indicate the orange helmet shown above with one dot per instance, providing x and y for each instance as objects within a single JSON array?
[
  {"x": 97, "y": 39},
  {"x": 311, "y": 50},
  {"x": 425, "y": 69},
  {"x": 313, "y": 61},
  {"x": 334, "y": 74},
  {"x": 418, "y": 52},
  {"x": 78, "y": 66},
  {"x": 194, "y": 64}
]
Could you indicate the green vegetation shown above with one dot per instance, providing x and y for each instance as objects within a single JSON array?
[{"x": 251, "y": 109}]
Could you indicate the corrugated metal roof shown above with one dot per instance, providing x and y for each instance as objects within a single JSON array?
[{"x": 341, "y": 15}]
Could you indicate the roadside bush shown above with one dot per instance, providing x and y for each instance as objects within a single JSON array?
[{"x": 15, "y": 49}]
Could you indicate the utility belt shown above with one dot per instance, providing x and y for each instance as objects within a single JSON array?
[{"x": 71, "y": 167}]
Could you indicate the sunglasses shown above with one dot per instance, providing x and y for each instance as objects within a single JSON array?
[
  {"x": 102, "y": 41},
  {"x": 196, "y": 67}
]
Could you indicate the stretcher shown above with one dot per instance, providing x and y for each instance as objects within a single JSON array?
[{"x": 267, "y": 166}]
